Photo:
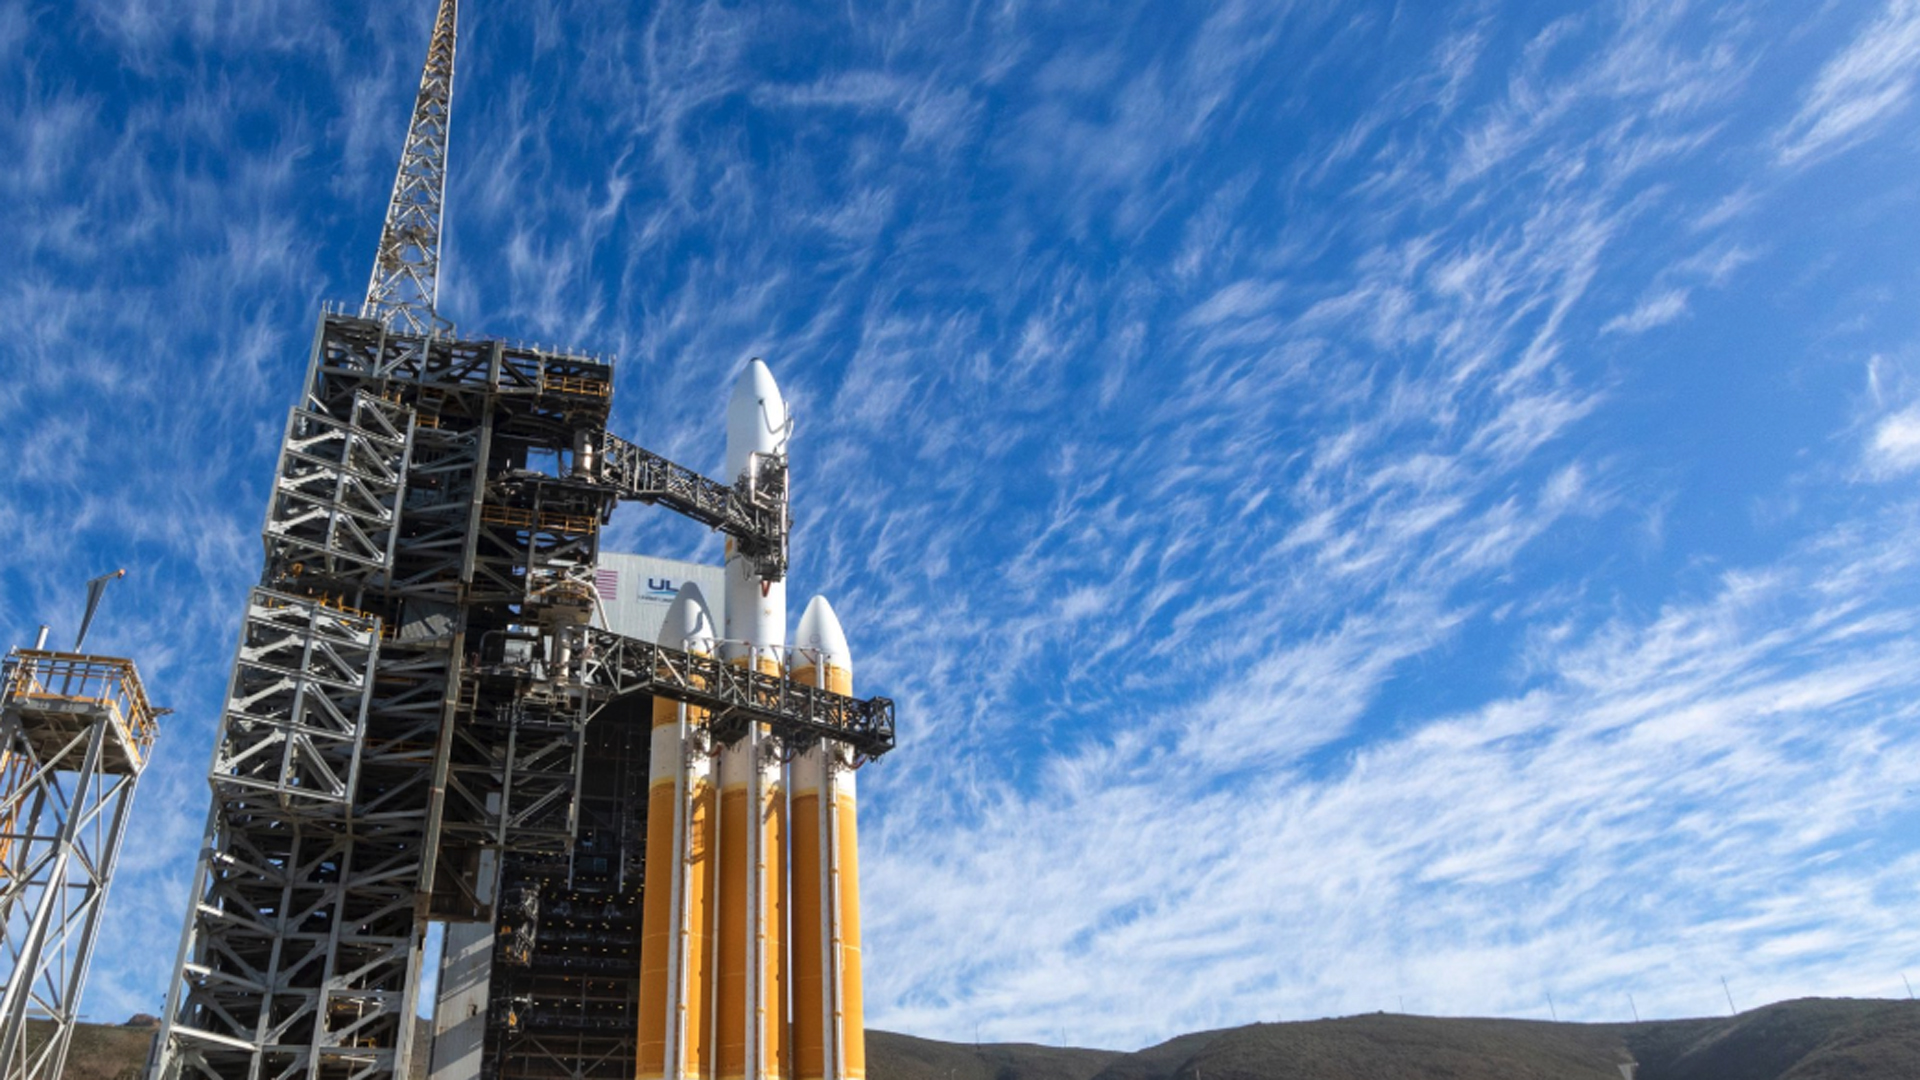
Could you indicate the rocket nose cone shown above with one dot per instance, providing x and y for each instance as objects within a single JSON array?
[
  {"x": 820, "y": 637},
  {"x": 757, "y": 420},
  {"x": 688, "y": 625}
]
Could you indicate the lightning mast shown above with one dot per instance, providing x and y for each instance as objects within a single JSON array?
[{"x": 404, "y": 291}]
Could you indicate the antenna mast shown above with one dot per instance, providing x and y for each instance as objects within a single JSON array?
[{"x": 405, "y": 287}]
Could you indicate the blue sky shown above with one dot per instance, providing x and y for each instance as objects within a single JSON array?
[{"x": 1361, "y": 506}]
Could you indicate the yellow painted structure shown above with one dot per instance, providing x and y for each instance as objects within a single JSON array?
[
  {"x": 675, "y": 1038},
  {"x": 750, "y": 1016},
  {"x": 845, "y": 941},
  {"x": 14, "y": 770},
  {"x": 666, "y": 933},
  {"x": 656, "y": 909},
  {"x": 770, "y": 906},
  {"x": 829, "y": 1025},
  {"x": 731, "y": 953},
  {"x": 695, "y": 1007},
  {"x": 775, "y": 1058}
]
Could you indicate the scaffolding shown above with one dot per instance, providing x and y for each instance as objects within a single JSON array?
[{"x": 75, "y": 731}]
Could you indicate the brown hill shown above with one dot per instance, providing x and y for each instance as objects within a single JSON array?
[
  {"x": 1811, "y": 1039},
  {"x": 904, "y": 1057},
  {"x": 100, "y": 1051}
]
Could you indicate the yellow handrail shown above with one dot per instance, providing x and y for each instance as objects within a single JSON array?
[{"x": 108, "y": 681}]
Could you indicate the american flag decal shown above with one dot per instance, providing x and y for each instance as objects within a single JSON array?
[{"x": 607, "y": 584}]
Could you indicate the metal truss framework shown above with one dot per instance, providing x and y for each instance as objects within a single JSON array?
[
  {"x": 734, "y": 696},
  {"x": 296, "y": 707},
  {"x": 75, "y": 731},
  {"x": 753, "y": 510},
  {"x": 413, "y": 681},
  {"x": 337, "y": 485},
  {"x": 563, "y": 996},
  {"x": 405, "y": 285}
]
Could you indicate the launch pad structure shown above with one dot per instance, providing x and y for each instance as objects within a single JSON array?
[
  {"x": 422, "y": 723},
  {"x": 75, "y": 732}
]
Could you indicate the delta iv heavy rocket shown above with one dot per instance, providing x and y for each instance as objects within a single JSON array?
[{"x": 750, "y": 926}]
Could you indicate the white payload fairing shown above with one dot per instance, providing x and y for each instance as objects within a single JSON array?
[{"x": 738, "y": 983}]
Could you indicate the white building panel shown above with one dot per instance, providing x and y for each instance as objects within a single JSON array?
[
  {"x": 636, "y": 589},
  {"x": 460, "y": 1014}
]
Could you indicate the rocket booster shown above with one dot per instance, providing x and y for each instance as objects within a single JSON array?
[
  {"x": 752, "y": 1032},
  {"x": 676, "y": 917},
  {"x": 829, "y": 1029}
]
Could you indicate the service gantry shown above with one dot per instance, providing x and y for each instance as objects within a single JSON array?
[{"x": 404, "y": 735}]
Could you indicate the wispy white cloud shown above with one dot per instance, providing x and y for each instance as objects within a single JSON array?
[
  {"x": 1552, "y": 840},
  {"x": 1657, "y": 310},
  {"x": 932, "y": 114},
  {"x": 1894, "y": 446},
  {"x": 1859, "y": 91}
]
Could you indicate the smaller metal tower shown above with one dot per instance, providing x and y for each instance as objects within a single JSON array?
[
  {"x": 75, "y": 730},
  {"x": 404, "y": 291}
]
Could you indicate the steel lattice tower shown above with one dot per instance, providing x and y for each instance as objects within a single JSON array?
[
  {"x": 405, "y": 286},
  {"x": 74, "y": 735},
  {"x": 415, "y": 672}
]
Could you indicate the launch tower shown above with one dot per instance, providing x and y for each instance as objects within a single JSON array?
[{"x": 423, "y": 724}]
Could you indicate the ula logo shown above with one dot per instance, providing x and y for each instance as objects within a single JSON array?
[{"x": 661, "y": 587}]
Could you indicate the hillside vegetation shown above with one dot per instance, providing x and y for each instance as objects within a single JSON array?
[
  {"x": 1811, "y": 1039},
  {"x": 100, "y": 1051}
]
